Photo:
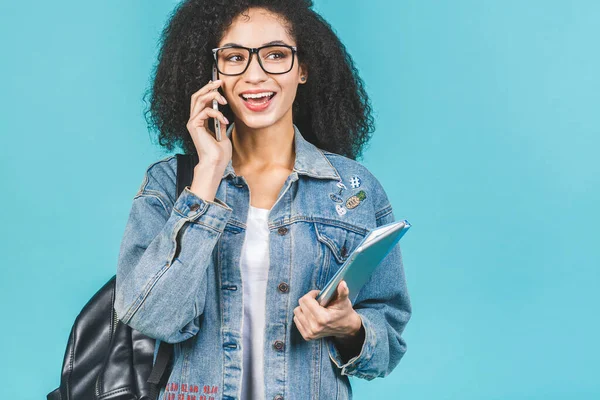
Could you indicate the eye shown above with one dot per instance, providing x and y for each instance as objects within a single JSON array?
[
  {"x": 234, "y": 57},
  {"x": 276, "y": 55}
]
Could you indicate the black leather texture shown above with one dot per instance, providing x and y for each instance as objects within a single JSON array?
[
  {"x": 106, "y": 359},
  {"x": 103, "y": 360}
]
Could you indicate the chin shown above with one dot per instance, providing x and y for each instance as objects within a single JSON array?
[{"x": 260, "y": 121}]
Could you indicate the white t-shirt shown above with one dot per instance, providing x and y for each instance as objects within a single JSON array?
[{"x": 255, "y": 268}]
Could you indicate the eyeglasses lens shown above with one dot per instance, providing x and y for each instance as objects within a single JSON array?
[{"x": 274, "y": 59}]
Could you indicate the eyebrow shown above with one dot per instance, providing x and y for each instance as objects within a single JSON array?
[{"x": 264, "y": 44}]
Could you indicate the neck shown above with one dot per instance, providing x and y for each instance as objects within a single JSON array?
[{"x": 262, "y": 148}]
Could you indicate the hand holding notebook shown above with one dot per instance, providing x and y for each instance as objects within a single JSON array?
[{"x": 360, "y": 265}]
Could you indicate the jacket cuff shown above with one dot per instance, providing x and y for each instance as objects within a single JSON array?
[
  {"x": 354, "y": 366},
  {"x": 215, "y": 214}
]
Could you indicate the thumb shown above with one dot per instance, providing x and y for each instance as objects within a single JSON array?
[{"x": 342, "y": 291}]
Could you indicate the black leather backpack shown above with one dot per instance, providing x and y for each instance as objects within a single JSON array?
[{"x": 106, "y": 359}]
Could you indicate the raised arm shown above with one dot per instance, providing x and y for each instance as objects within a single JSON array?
[{"x": 163, "y": 260}]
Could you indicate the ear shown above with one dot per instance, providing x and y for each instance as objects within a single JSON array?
[{"x": 303, "y": 74}]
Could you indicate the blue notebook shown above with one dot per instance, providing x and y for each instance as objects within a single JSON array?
[{"x": 359, "y": 266}]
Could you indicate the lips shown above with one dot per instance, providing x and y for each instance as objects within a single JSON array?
[
  {"x": 257, "y": 100},
  {"x": 259, "y": 104}
]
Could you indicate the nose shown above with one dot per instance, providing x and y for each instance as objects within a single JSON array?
[{"x": 254, "y": 72}]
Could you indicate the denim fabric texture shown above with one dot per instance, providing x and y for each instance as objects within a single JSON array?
[{"x": 179, "y": 280}]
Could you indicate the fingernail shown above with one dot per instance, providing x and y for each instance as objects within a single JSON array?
[
  {"x": 226, "y": 120},
  {"x": 224, "y": 99}
]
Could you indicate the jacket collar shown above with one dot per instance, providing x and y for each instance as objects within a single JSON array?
[{"x": 310, "y": 160}]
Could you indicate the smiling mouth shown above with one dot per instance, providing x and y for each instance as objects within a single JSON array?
[{"x": 258, "y": 101}]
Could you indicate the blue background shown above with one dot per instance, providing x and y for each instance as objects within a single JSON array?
[{"x": 487, "y": 142}]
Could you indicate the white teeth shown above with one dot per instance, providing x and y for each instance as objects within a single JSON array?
[{"x": 256, "y": 95}]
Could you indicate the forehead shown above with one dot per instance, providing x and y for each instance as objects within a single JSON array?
[{"x": 257, "y": 27}]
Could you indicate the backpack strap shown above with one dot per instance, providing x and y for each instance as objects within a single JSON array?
[
  {"x": 185, "y": 170},
  {"x": 157, "y": 378},
  {"x": 165, "y": 350}
]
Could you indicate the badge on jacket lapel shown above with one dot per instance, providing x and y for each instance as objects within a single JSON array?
[
  {"x": 340, "y": 209},
  {"x": 354, "y": 201},
  {"x": 336, "y": 197},
  {"x": 355, "y": 181}
]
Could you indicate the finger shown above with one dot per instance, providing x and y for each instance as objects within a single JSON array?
[
  {"x": 201, "y": 119},
  {"x": 310, "y": 307},
  {"x": 313, "y": 309},
  {"x": 206, "y": 101},
  {"x": 299, "y": 313},
  {"x": 342, "y": 292},
  {"x": 210, "y": 86},
  {"x": 316, "y": 323},
  {"x": 198, "y": 127},
  {"x": 301, "y": 328},
  {"x": 343, "y": 289},
  {"x": 300, "y": 316},
  {"x": 304, "y": 322},
  {"x": 224, "y": 133}
]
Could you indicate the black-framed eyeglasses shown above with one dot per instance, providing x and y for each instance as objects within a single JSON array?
[{"x": 273, "y": 59}]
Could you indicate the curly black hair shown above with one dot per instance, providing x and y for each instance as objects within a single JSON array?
[{"x": 332, "y": 109}]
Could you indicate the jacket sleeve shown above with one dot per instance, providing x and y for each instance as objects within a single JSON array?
[
  {"x": 384, "y": 307},
  {"x": 164, "y": 256}
]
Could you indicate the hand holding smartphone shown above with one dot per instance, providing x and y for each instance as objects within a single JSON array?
[{"x": 209, "y": 144}]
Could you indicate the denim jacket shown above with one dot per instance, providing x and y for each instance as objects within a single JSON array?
[{"x": 179, "y": 280}]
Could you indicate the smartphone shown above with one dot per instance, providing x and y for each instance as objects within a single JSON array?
[{"x": 215, "y": 105}]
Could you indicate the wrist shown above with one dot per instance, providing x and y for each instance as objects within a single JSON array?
[
  {"x": 351, "y": 345},
  {"x": 209, "y": 169},
  {"x": 354, "y": 328},
  {"x": 206, "y": 181}
]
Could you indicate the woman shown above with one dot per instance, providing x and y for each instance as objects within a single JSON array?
[{"x": 230, "y": 269}]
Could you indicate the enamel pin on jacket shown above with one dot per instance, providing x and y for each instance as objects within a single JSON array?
[{"x": 179, "y": 281}]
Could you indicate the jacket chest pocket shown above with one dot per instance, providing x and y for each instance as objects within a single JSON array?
[{"x": 337, "y": 243}]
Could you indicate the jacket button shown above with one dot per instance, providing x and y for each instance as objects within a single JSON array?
[
  {"x": 278, "y": 345},
  {"x": 344, "y": 251},
  {"x": 278, "y": 397},
  {"x": 283, "y": 287},
  {"x": 194, "y": 206},
  {"x": 282, "y": 230}
]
